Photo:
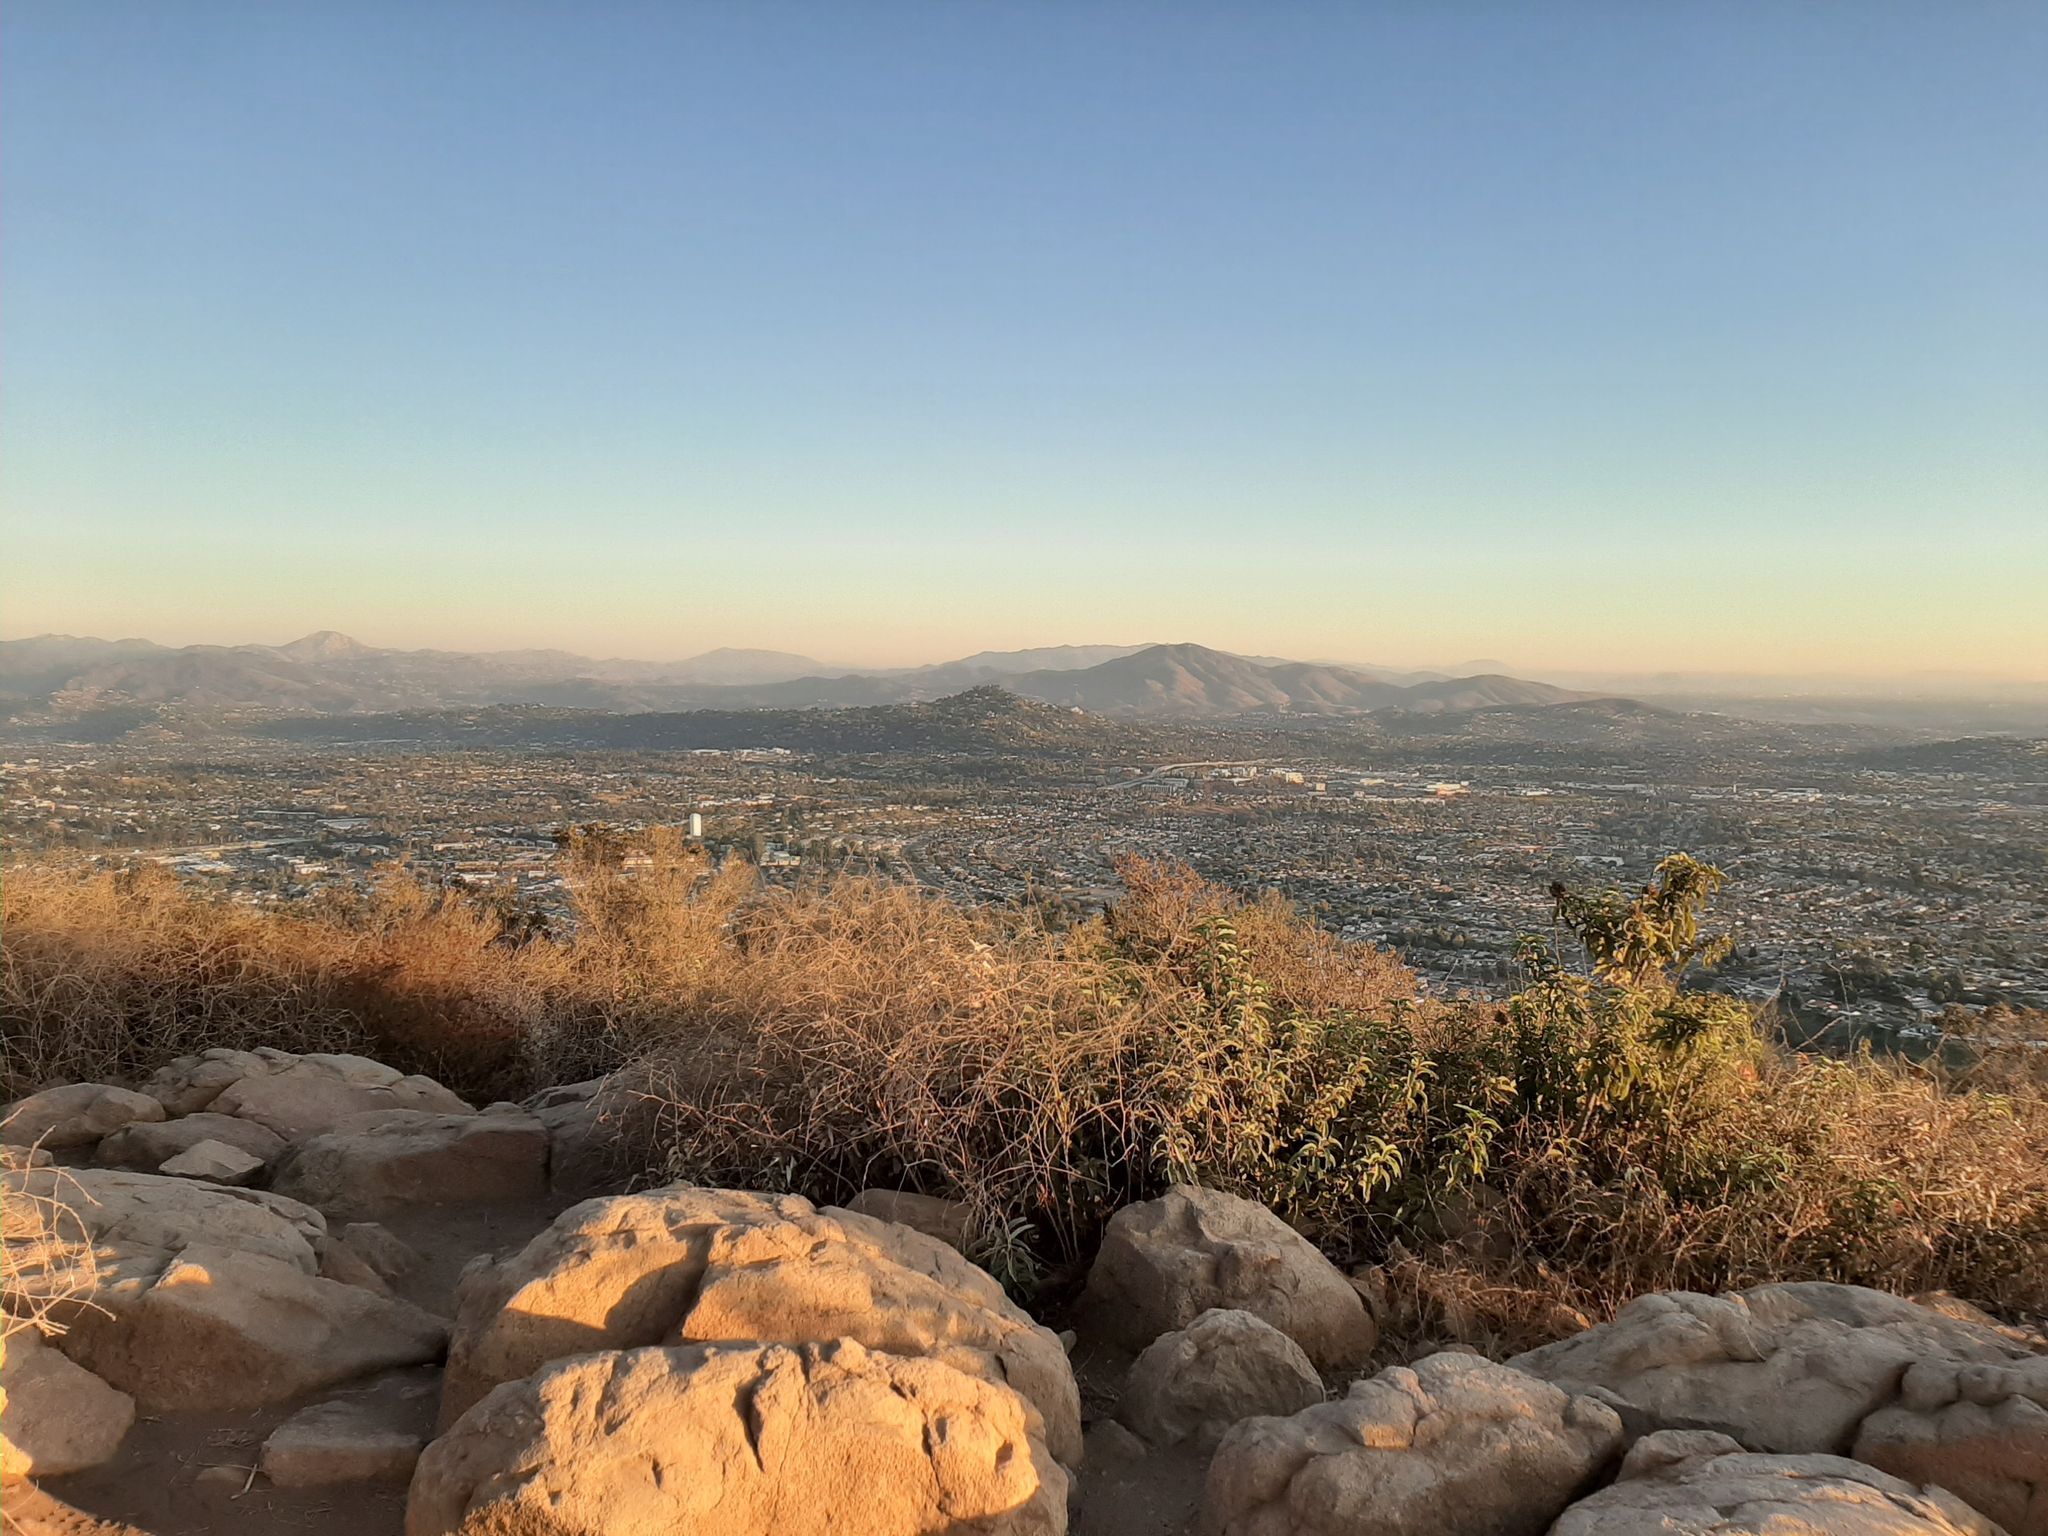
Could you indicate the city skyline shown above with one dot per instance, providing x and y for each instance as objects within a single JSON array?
[{"x": 1603, "y": 338}]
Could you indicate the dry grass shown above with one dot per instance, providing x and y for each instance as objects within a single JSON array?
[
  {"x": 49, "y": 1265},
  {"x": 1507, "y": 1169}
]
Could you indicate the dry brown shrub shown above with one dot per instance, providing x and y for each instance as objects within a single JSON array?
[{"x": 49, "y": 1265}]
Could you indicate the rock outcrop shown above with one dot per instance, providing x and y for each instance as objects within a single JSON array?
[
  {"x": 295, "y": 1096},
  {"x": 742, "y": 1440},
  {"x": 1165, "y": 1262},
  {"x": 1455, "y": 1446},
  {"x": 1813, "y": 1367},
  {"x": 682, "y": 1264},
  {"x": 1198, "y": 1381},
  {"x": 1700, "y": 1483},
  {"x": 947, "y": 1220}
]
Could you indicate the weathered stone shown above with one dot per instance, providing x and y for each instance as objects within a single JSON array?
[
  {"x": 388, "y": 1157},
  {"x": 146, "y": 1147},
  {"x": 191, "y": 1083},
  {"x": 207, "y": 1296},
  {"x": 1980, "y": 1431},
  {"x": 1165, "y": 1262},
  {"x": 683, "y": 1264},
  {"x": 1788, "y": 1368},
  {"x": 306, "y": 1095},
  {"x": 55, "y": 1417},
  {"x": 214, "y": 1161},
  {"x": 75, "y": 1115},
  {"x": 599, "y": 1132},
  {"x": 366, "y": 1436},
  {"x": 734, "y": 1440},
  {"x": 340, "y": 1262},
  {"x": 24, "y": 1157},
  {"x": 223, "y": 1329},
  {"x": 946, "y": 1220},
  {"x": 1455, "y": 1446},
  {"x": 1107, "y": 1442},
  {"x": 1195, "y": 1383},
  {"x": 390, "y": 1256},
  {"x": 1696, "y": 1483}
]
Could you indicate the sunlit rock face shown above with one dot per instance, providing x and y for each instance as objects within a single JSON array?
[
  {"x": 684, "y": 1264},
  {"x": 742, "y": 1440},
  {"x": 1454, "y": 1446}
]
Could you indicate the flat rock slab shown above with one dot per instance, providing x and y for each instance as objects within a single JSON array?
[
  {"x": 214, "y": 1161},
  {"x": 373, "y": 1434},
  {"x": 366, "y": 1162},
  {"x": 294, "y": 1095}
]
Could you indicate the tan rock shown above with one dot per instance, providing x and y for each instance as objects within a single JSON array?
[
  {"x": 1165, "y": 1262},
  {"x": 388, "y": 1157},
  {"x": 683, "y": 1264},
  {"x": 599, "y": 1132},
  {"x": 147, "y": 1146},
  {"x": 1788, "y": 1368},
  {"x": 224, "y": 1329},
  {"x": 1195, "y": 1383},
  {"x": 306, "y": 1095},
  {"x": 390, "y": 1256},
  {"x": 191, "y": 1083},
  {"x": 58, "y": 1417},
  {"x": 1680, "y": 1483},
  {"x": 214, "y": 1161},
  {"x": 374, "y": 1435},
  {"x": 946, "y": 1220},
  {"x": 24, "y": 1157},
  {"x": 1455, "y": 1446},
  {"x": 75, "y": 1115},
  {"x": 733, "y": 1440},
  {"x": 207, "y": 1296},
  {"x": 1980, "y": 1431}
]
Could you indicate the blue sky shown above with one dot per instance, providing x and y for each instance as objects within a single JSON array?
[{"x": 1674, "y": 335}]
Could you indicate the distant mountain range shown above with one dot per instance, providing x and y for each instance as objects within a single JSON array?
[{"x": 58, "y": 676}]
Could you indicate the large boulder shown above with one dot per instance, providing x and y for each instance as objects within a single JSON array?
[
  {"x": 55, "y": 1417},
  {"x": 1454, "y": 1446},
  {"x": 206, "y": 1297},
  {"x": 75, "y": 1115},
  {"x": 1195, "y": 1383},
  {"x": 1980, "y": 1431},
  {"x": 146, "y": 1146},
  {"x": 1165, "y": 1262},
  {"x": 681, "y": 1264},
  {"x": 406, "y": 1156},
  {"x": 742, "y": 1440},
  {"x": 1701, "y": 1483},
  {"x": 295, "y": 1096}
]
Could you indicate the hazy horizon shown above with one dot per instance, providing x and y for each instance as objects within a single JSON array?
[{"x": 1697, "y": 338}]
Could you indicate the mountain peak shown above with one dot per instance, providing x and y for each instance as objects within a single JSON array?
[{"x": 324, "y": 645}]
